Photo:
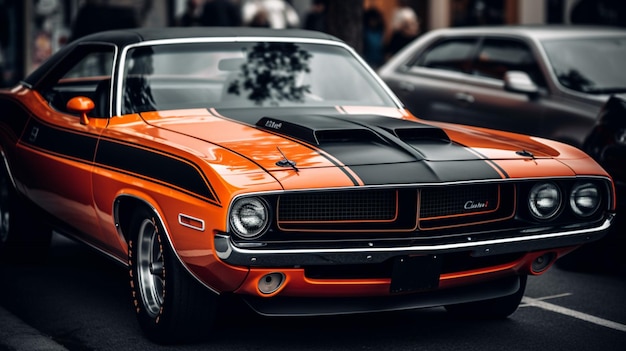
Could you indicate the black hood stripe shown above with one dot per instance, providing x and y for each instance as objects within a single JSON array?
[
  {"x": 496, "y": 166},
  {"x": 345, "y": 170},
  {"x": 136, "y": 160},
  {"x": 379, "y": 150}
]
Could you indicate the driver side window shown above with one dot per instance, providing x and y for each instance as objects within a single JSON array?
[{"x": 87, "y": 74}]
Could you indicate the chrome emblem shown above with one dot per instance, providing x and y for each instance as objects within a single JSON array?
[{"x": 474, "y": 205}]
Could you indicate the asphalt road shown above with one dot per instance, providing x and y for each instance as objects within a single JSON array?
[{"x": 78, "y": 300}]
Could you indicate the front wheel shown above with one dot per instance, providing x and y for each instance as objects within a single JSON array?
[
  {"x": 171, "y": 305},
  {"x": 498, "y": 308}
]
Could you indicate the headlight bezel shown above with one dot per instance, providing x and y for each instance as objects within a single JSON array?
[
  {"x": 240, "y": 227},
  {"x": 576, "y": 208},
  {"x": 533, "y": 204}
]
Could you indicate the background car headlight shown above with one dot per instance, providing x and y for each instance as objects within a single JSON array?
[
  {"x": 585, "y": 199},
  {"x": 249, "y": 217},
  {"x": 544, "y": 200}
]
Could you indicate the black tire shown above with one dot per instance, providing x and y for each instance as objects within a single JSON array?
[
  {"x": 173, "y": 307},
  {"x": 23, "y": 237},
  {"x": 498, "y": 308}
]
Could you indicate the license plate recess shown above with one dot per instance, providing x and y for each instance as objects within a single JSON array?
[{"x": 413, "y": 273}]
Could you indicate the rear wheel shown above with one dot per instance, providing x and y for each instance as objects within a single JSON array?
[
  {"x": 498, "y": 308},
  {"x": 171, "y": 305},
  {"x": 23, "y": 236}
]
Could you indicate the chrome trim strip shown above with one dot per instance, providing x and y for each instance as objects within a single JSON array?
[{"x": 430, "y": 248}]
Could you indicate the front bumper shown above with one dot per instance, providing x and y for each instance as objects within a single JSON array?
[{"x": 368, "y": 252}]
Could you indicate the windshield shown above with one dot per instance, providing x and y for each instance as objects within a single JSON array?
[
  {"x": 594, "y": 65},
  {"x": 248, "y": 74}
]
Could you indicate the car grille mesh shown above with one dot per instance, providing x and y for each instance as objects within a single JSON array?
[
  {"x": 377, "y": 205},
  {"x": 458, "y": 200},
  {"x": 395, "y": 210}
]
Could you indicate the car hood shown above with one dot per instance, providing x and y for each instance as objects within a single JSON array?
[{"x": 367, "y": 149}]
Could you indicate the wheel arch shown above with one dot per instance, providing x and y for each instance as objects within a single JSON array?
[{"x": 123, "y": 208}]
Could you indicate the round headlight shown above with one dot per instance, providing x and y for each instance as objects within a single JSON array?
[
  {"x": 544, "y": 200},
  {"x": 249, "y": 217},
  {"x": 585, "y": 199}
]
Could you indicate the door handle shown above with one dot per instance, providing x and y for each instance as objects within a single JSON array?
[{"x": 464, "y": 97}]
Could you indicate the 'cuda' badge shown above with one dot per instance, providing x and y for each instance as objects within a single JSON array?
[{"x": 474, "y": 205}]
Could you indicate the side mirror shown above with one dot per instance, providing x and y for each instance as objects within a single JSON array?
[
  {"x": 520, "y": 82},
  {"x": 82, "y": 105}
]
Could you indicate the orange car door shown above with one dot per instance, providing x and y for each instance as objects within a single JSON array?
[{"x": 57, "y": 147}]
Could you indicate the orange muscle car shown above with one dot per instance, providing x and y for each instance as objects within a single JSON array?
[{"x": 276, "y": 167}]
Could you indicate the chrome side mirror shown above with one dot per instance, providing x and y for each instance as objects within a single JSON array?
[{"x": 520, "y": 82}]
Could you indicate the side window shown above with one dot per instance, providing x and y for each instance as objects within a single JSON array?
[
  {"x": 92, "y": 65},
  {"x": 451, "y": 55},
  {"x": 497, "y": 56},
  {"x": 86, "y": 72}
]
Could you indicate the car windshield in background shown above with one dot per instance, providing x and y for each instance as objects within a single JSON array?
[
  {"x": 593, "y": 66},
  {"x": 246, "y": 74}
]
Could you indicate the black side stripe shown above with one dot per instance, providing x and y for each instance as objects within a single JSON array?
[
  {"x": 150, "y": 164},
  {"x": 71, "y": 145}
]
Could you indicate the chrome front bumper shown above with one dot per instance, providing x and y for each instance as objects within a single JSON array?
[{"x": 367, "y": 252}]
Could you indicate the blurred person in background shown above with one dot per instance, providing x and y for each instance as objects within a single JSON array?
[
  {"x": 223, "y": 13},
  {"x": 191, "y": 16},
  {"x": 316, "y": 16},
  {"x": 98, "y": 15},
  {"x": 373, "y": 37},
  {"x": 261, "y": 19},
  {"x": 405, "y": 30},
  {"x": 281, "y": 14}
]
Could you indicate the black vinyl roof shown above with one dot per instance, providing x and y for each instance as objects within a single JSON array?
[{"x": 129, "y": 36}]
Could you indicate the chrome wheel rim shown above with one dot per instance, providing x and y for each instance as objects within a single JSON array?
[
  {"x": 150, "y": 267},
  {"x": 5, "y": 214}
]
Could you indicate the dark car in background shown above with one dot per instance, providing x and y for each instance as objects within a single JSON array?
[
  {"x": 547, "y": 81},
  {"x": 607, "y": 141}
]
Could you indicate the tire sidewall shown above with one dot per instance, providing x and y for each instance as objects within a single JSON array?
[{"x": 153, "y": 326}]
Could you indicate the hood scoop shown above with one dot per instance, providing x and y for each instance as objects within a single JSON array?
[
  {"x": 319, "y": 130},
  {"x": 424, "y": 133}
]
